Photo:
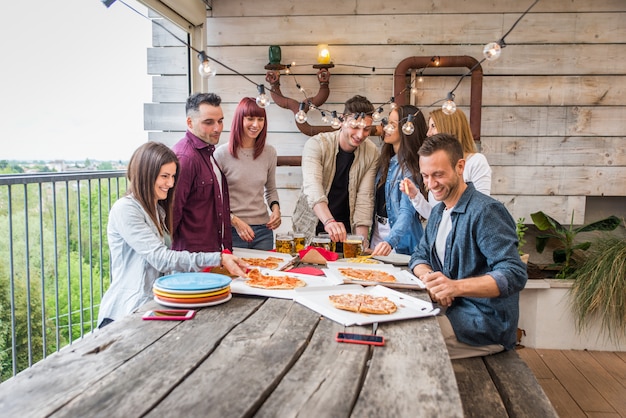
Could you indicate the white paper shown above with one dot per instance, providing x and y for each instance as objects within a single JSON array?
[{"x": 239, "y": 286}]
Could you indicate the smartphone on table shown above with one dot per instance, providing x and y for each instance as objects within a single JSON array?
[
  {"x": 169, "y": 315},
  {"x": 347, "y": 337}
]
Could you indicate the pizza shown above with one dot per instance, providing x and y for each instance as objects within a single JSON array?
[
  {"x": 269, "y": 262},
  {"x": 362, "y": 303},
  {"x": 367, "y": 275},
  {"x": 256, "y": 279},
  {"x": 361, "y": 260}
]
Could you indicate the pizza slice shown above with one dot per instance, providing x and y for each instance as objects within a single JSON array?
[
  {"x": 360, "y": 303},
  {"x": 259, "y": 280},
  {"x": 367, "y": 275},
  {"x": 269, "y": 262}
]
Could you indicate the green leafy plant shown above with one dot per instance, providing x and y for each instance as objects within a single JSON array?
[
  {"x": 562, "y": 256},
  {"x": 599, "y": 288},
  {"x": 520, "y": 228}
]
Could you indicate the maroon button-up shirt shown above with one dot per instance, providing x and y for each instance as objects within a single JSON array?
[{"x": 201, "y": 209}]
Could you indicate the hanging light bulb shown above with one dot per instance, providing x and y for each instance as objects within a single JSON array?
[
  {"x": 262, "y": 100},
  {"x": 413, "y": 90},
  {"x": 378, "y": 115},
  {"x": 449, "y": 107},
  {"x": 353, "y": 123},
  {"x": 361, "y": 124},
  {"x": 335, "y": 123},
  {"x": 389, "y": 129},
  {"x": 392, "y": 103},
  {"x": 420, "y": 78},
  {"x": 301, "y": 116},
  {"x": 205, "y": 69},
  {"x": 408, "y": 128},
  {"x": 325, "y": 119},
  {"x": 492, "y": 51}
]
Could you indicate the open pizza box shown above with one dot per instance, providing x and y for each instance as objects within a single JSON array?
[
  {"x": 316, "y": 298},
  {"x": 404, "y": 278},
  {"x": 238, "y": 285}
]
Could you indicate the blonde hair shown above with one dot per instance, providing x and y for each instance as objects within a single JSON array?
[{"x": 455, "y": 124}]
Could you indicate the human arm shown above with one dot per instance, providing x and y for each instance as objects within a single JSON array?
[
  {"x": 244, "y": 230},
  {"x": 271, "y": 193},
  {"x": 336, "y": 230},
  {"x": 365, "y": 179},
  {"x": 234, "y": 264},
  {"x": 417, "y": 199},
  {"x": 443, "y": 289},
  {"x": 478, "y": 172},
  {"x": 184, "y": 183}
]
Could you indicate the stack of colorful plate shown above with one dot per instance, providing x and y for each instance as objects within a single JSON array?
[{"x": 192, "y": 290}]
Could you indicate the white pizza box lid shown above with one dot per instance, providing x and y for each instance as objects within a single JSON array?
[
  {"x": 239, "y": 286},
  {"x": 404, "y": 279},
  {"x": 250, "y": 253},
  {"x": 316, "y": 298}
]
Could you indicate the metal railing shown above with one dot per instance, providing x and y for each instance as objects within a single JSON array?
[{"x": 54, "y": 260}]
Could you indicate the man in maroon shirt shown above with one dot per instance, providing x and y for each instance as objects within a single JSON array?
[{"x": 201, "y": 206}]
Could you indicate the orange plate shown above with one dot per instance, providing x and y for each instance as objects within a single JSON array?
[
  {"x": 161, "y": 293},
  {"x": 196, "y": 300}
]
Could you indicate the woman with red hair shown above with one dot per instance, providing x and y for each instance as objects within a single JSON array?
[{"x": 249, "y": 165}]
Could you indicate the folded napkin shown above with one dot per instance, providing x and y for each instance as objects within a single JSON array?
[
  {"x": 317, "y": 255},
  {"x": 311, "y": 271}
]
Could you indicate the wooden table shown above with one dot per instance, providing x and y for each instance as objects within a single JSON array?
[{"x": 251, "y": 356}]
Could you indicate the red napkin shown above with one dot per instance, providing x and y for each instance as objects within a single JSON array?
[
  {"x": 328, "y": 255},
  {"x": 311, "y": 271}
]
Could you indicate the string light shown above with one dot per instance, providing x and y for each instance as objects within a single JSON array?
[
  {"x": 378, "y": 114},
  {"x": 205, "y": 69},
  {"x": 262, "y": 100},
  {"x": 325, "y": 119},
  {"x": 492, "y": 51},
  {"x": 361, "y": 124},
  {"x": 449, "y": 107},
  {"x": 408, "y": 128},
  {"x": 392, "y": 103},
  {"x": 335, "y": 123},
  {"x": 301, "y": 116}
]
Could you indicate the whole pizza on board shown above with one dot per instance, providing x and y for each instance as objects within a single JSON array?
[
  {"x": 256, "y": 279},
  {"x": 362, "y": 303},
  {"x": 367, "y": 275}
]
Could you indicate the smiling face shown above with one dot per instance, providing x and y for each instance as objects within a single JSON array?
[
  {"x": 351, "y": 138},
  {"x": 165, "y": 181},
  {"x": 443, "y": 179},
  {"x": 207, "y": 123},
  {"x": 252, "y": 126},
  {"x": 394, "y": 137}
]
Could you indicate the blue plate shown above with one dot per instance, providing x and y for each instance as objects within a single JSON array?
[{"x": 192, "y": 281}]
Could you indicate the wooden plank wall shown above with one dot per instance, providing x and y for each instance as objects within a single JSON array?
[{"x": 553, "y": 111}]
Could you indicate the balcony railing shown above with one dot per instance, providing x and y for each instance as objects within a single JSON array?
[{"x": 54, "y": 260}]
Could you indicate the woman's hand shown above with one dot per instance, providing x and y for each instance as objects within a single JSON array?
[
  {"x": 382, "y": 248},
  {"x": 234, "y": 265},
  {"x": 275, "y": 219},
  {"x": 408, "y": 188},
  {"x": 243, "y": 229}
]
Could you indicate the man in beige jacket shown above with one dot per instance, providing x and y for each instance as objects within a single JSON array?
[{"x": 338, "y": 174}]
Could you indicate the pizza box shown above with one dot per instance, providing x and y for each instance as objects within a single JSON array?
[
  {"x": 249, "y": 253},
  {"x": 405, "y": 279},
  {"x": 316, "y": 298},
  {"x": 238, "y": 285}
]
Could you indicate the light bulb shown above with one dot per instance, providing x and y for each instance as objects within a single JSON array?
[
  {"x": 323, "y": 54},
  {"x": 205, "y": 69},
  {"x": 389, "y": 129},
  {"x": 325, "y": 119},
  {"x": 414, "y": 91},
  {"x": 335, "y": 123},
  {"x": 408, "y": 128},
  {"x": 392, "y": 103},
  {"x": 492, "y": 51},
  {"x": 448, "y": 107},
  {"x": 361, "y": 121},
  {"x": 262, "y": 100},
  {"x": 378, "y": 115},
  {"x": 301, "y": 115}
]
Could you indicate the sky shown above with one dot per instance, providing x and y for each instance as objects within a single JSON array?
[{"x": 73, "y": 79}]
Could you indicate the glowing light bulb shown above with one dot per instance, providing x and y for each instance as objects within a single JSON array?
[
  {"x": 262, "y": 100},
  {"x": 492, "y": 51},
  {"x": 335, "y": 123},
  {"x": 414, "y": 91},
  {"x": 389, "y": 129},
  {"x": 378, "y": 115},
  {"x": 449, "y": 107},
  {"x": 408, "y": 128},
  {"x": 205, "y": 69},
  {"x": 392, "y": 103},
  {"x": 325, "y": 119},
  {"x": 301, "y": 116},
  {"x": 323, "y": 54}
]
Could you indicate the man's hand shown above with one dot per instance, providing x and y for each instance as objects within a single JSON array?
[{"x": 440, "y": 288}]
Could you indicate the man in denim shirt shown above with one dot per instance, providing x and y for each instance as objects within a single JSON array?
[{"x": 468, "y": 257}]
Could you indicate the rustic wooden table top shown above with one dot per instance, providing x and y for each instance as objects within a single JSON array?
[{"x": 251, "y": 356}]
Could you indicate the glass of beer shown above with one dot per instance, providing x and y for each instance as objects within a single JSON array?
[
  {"x": 284, "y": 243},
  {"x": 299, "y": 241},
  {"x": 321, "y": 242},
  {"x": 333, "y": 244},
  {"x": 353, "y": 246}
]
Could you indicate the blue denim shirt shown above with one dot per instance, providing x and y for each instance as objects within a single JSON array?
[
  {"x": 482, "y": 241},
  {"x": 406, "y": 227}
]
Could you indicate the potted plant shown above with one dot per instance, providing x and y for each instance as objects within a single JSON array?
[
  {"x": 520, "y": 228},
  {"x": 563, "y": 255},
  {"x": 599, "y": 287}
]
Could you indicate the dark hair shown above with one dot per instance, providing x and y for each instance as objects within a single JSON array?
[
  {"x": 195, "y": 100},
  {"x": 247, "y": 107},
  {"x": 358, "y": 104},
  {"x": 445, "y": 142},
  {"x": 409, "y": 145},
  {"x": 142, "y": 172}
]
